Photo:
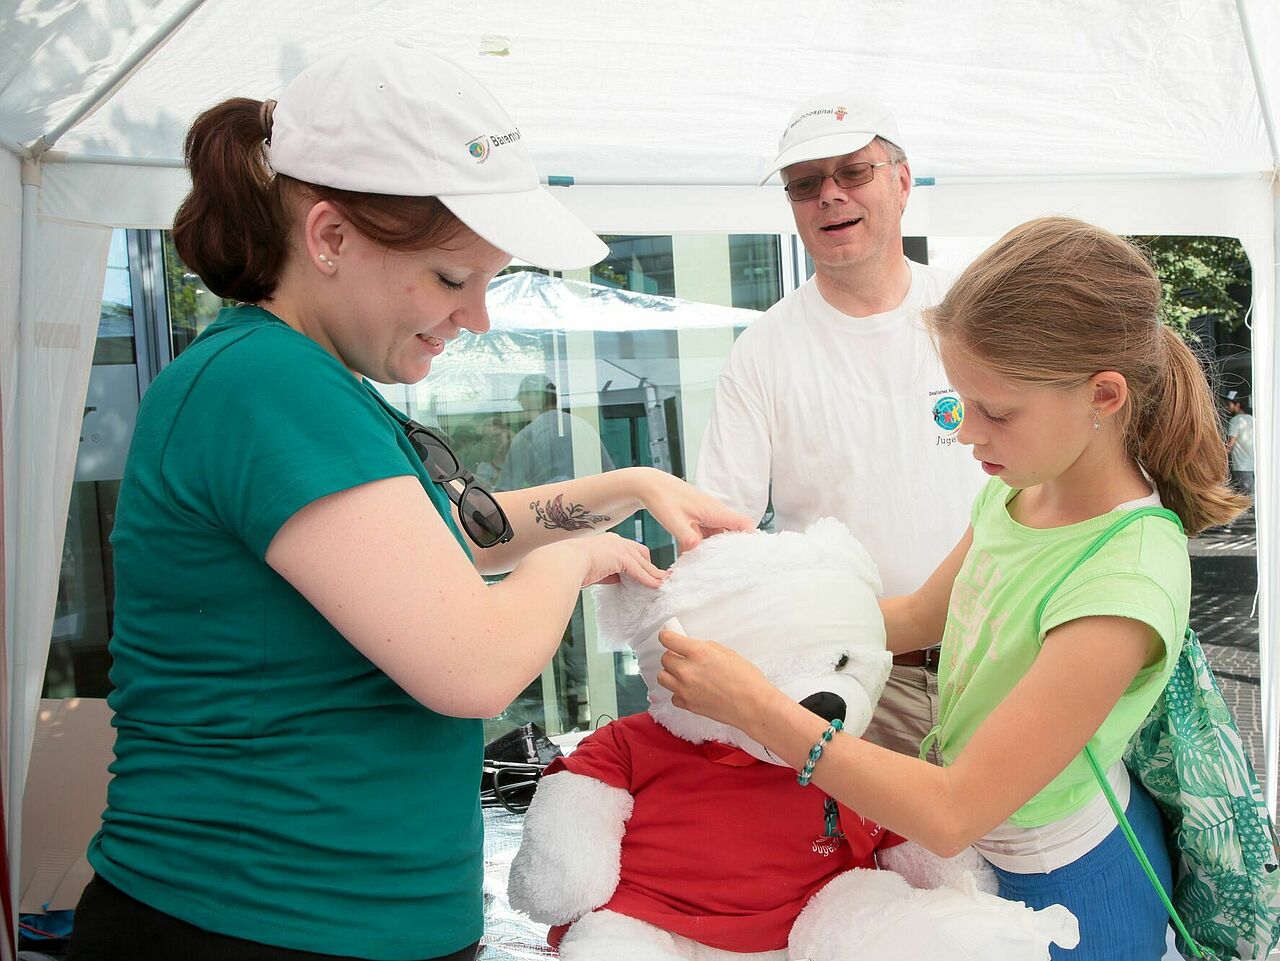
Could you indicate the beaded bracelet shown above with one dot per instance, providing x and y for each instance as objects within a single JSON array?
[{"x": 815, "y": 752}]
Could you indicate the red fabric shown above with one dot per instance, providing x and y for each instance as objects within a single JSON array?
[{"x": 720, "y": 847}]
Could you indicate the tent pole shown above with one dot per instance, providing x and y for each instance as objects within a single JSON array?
[
  {"x": 19, "y": 720},
  {"x": 1268, "y": 535},
  {"x": 117, "y": 76},
  {"x": 1269, "y": 482}
]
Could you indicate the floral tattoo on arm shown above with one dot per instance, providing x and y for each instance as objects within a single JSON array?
[{"x": 557, "y": 515}]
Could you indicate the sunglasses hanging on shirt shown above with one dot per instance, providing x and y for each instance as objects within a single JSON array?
[{"x": 481, "y": 516}]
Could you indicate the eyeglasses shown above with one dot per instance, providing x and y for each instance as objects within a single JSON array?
[
  {"x": 852, "y": 175},
  {"x": 481, "y": 517}
]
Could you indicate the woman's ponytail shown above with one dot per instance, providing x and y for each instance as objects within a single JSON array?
[
  {"x": 230, "y": 229},
  {"x": 1176, "y": 438}
]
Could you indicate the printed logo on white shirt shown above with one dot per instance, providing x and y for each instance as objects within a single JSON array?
[{"x": 948, "y": 415}]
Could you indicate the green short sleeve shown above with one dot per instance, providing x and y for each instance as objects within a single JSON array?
[
  {"x": 1128, "y": 594},
  {"x": 272, "y": 423}
]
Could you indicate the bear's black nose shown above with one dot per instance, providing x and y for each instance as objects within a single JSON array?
[{"x": 826, "y": 705}]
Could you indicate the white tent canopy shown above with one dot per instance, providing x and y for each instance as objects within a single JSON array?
[{"x": 1157, "y": 117}]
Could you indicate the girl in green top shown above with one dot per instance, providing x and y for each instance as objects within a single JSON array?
[
  {"x": 304, "y": 646},
  {"x": 1079, "y": 403}
]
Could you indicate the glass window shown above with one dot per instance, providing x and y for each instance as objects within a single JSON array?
[
  {"x": 755, "y": 270},
  {"x": 82, "y": 618},
  {"x": 642, "y": 264},
  {"x": 115, "y": 320},
  {"x": 598, "y": 369},
  {"x": 192, "y": 306}
]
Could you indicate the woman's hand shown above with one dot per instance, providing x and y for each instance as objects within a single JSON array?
[
  {"x": 709, "y": 679},
  {"x": 687, "y": 513},
  {"x": 609, "y": 556}
]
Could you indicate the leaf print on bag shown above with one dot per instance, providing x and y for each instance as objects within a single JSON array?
[
  {"x": 1195, "y": 900},
  {"x": 1195, "y": 758},
  {"x": 1216, "y": 707},
  {"x": 1161, "y": 781},
  {"x": 1259, "y": 853},
  {"x": 1209, "y": 832},
  {"x": 1189, "y": 756}
]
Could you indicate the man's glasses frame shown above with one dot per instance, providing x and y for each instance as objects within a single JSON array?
[
  {"x": 848, "y": 177},
  {"x": 480, "y": 513}
]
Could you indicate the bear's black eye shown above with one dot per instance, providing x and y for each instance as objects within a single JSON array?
[{"x": 840, "y": 664}]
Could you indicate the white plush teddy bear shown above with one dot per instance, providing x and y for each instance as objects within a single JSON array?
[{"x": 668, "y": 836}]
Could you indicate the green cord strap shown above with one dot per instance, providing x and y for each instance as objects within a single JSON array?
[
  {"x": 1136, "y": 847},
  {"x": 1122, "y": 522},
  {"x": 1127, "y": 518}
]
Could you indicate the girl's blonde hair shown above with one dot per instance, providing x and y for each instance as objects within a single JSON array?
[{"x": 1056, "y": 301}]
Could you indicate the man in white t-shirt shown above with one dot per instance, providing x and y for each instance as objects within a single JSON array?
[
  {"x": 1240, "y": 442},
  {"x": 834, "y": 401},
  {"x": 542, "y": 451}
]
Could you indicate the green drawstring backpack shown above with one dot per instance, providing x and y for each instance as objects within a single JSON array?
[{"x": 1222, "y": 844}]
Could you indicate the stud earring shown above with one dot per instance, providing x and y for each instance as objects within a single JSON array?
[
  {"x": 323, "y": 259},
  {"x": 1097, "y": 421}
]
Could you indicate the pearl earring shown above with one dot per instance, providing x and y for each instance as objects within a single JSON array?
[
  {"x": 1097, "y": 421},
  {"x": 323, "y": 259}
]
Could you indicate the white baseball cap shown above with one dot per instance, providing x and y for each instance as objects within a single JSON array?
[
  {"x": 832, "y": 125},
  {"x": 389, "y": 118}
]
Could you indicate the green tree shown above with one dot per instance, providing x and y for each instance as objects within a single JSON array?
[{"x": 1196, "y": 274}]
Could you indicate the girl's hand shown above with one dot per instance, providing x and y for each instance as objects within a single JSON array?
[
  {"x": 609, "y": 556},
  {"x": 709, "y": 679},
  {"x": 687, "y": 513}
]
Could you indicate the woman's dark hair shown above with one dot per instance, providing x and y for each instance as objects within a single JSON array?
[{"x": 233, "y": 229}]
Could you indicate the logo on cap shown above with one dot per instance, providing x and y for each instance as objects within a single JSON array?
[
  {"x": 948, "y": 413},
  {"x": 841, "y": 113},
  {"x": 479, "y": 148}
]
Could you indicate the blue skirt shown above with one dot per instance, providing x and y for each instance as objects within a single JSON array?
[{"x": 1121, "y": 917}]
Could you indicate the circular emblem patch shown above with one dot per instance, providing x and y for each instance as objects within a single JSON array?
[{"x": 948, "y": 413}]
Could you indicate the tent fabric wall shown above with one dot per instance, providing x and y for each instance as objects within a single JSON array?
[
  {"x": 10, "y": 276},
  {"x": 679, "y": 89},
  {"x": 1146, "y": 118},
  {"x": 63, "y": 265}
]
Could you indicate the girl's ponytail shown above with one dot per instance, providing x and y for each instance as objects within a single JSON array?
[
  {"x": 1176, "y": 438},
  {"x": 230, "y": 229}
]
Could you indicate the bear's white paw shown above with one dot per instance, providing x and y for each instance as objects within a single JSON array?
[{"x": 606, "y": 936}]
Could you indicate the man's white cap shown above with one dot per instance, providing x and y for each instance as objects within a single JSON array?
[
  {"x": 388, "y": 118},
  {"x": 832, "y": 125}
]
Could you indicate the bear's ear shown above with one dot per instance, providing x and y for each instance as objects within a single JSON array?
[{"x": 830, "y": 538}]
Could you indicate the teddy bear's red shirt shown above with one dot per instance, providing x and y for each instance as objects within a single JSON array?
[{"x": 721, "y": 848}]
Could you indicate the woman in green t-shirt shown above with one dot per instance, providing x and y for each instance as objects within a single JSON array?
[
  {"x": 304, "y": 646},
  {"x": 1080, "y": 403}
]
